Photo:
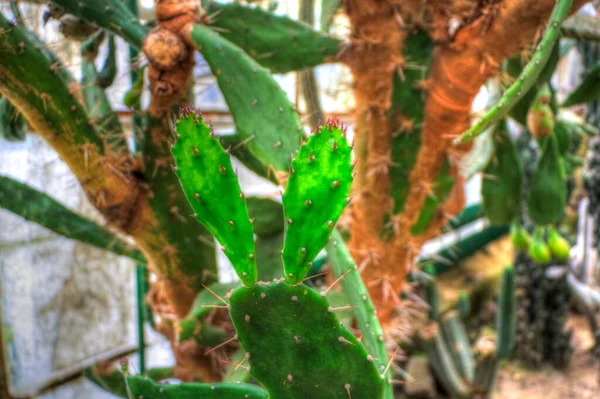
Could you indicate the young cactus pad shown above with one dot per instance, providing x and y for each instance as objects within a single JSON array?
[
  {"x": 143, "y": 387},
  {"x": 316, "y": 194},
  {"x": 213, "y": 190},
  {"x": 297, "y": 346}
]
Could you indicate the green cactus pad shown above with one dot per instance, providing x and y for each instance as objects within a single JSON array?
[
  {"x": 316, "y": 194},
  {"x": 264, "y": 117},
  {"x": 212, "y": 188},
  {"x": 277, "y": 42},
  {"x": 142, "y": 387},
  {"x": 297, "y": 346}
]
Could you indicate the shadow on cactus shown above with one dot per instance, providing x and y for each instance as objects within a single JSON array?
[{"x": 294, "y": 341}]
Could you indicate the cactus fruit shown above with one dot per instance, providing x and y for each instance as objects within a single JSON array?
[
  {"x": 505, "y": 316},
  {"x": 559, "y": 246},
  {"x": 143, "y": 387},
  {"x": 538, "y": 250},
  {"x": 519, "y": 237},
  {"x": 548, "y": 190},
  {"x": 314, "y": 200},
  {"x": 502, "y": 180},
  {"x": 276, "y": 42},
  {"x": 297, "y": 347},
  {"x": 528, "y": 76},
  {"x": 205, "y": 171},
  {"x": 250, "y": 90},
  {"x": 540, "y": 117}
]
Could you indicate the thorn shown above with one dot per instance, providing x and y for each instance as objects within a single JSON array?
[
  {"x": 196, "y": 196},
  {"x": 335, "y": 184},
  {"x": 195, "y": 151},
  {"x": 252, "y": 220},
  {"x": 345, "y": 341},
  {"x": 215, "y": 306},
  {"x": 221, "y": 345},
  {"x": 323, "y": 293},
  {"x": 314, "y": 276},
  {"x": 223, "y": 248},
  {"x": 308, "y": 202},
  {"x": 390, "y": 362},
  {"x": 330, "y": 224},
  {"x": 311, "y": 157},
  {"x": 222, "y": 169},
  {"x": 215, "y": 294},
  {"x": 331, "y": 309},
  {"x": 242, "y": 195},
  {"x": 245, "y": 357},
  {"x": 289, "y": 221},
  {"x": 334, "y": 148},
  {"x": 349, "y": 199},
  {"x": 251, "y": 256},
  {"x": 347, "y": 387},
  {"x": 230, "y": 223}
]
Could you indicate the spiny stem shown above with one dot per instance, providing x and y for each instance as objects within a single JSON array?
[
  {"x": 353, "y": 286},
  {"x": 527, "y": 78}
]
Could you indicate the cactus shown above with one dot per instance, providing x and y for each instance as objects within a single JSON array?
[
  {"x": 108, "y": 72},
  {"x": 307, "y": 352},
  {"x": 306, "y": 322},
  {"x": 455, "y": 333},
  {"x": 143, "y": 387},
  {"x": 505, "y": 316},
  {"x": 12, "y": 124},
  {"x": 44, "y": 210},
  {"x": 197, "y": 149},
  {"x": 250, "y": 90},
  {"x": 527, "y": 78},
  {"x": 313, "y": 200},
  {"x": 276, "y": 42},
  {"x": 112, "y": 15}
]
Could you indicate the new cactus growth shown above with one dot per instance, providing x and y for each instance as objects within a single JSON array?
[
  {"x": 314, "y": 200},
  {"x": 197, "y": 149}
]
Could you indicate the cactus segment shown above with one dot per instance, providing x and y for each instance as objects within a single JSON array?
[
  {"x": 267, "y": 216},
  {"x": 108, "y": 72},
  {"x": 205, "y": 301},
  {"x": 298, "y": 348},
  {"x": 502, "y": 180},
  {"x": 548, "y": 188},
  {"x": 441, "y": 189},
  {"x": 528, "y": 76},
  {"x": 406, "y": 115},
  {"x": 239, "y": 149},
  {"x": 112, "y": 15},
  {"x": 588, "y": 90},
  {"x": 430, "y": 339},
  {"x": 38, "y": 207},
  {"x": 458, "y": 343},
  {"x": 487, "y": 365},
  {"x": 316, "y": 194},
  {"x": 464, "y": 306},
  {"x": 364, "y": 311},
  {"x": 212, "y": 188},
  {"x": 143, "y": 387},
  {"x": 505, "y": 317},
  {"x": 250, "y": 90},
  {"x": 470, "y": 214},
  {"x": 276, "y": 42},
  {"x": 432, "y": 298},
  {"x": 12, "y": 122},
  {"x": 114, "y": 382}
]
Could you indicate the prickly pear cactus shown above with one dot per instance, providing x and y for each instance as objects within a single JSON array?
[
  {"x": 316, "y": 194},
  {"x": 296, "y": 345},
  {"x": 218, "y": 202},
  {"x": 143, "y": 387}
]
